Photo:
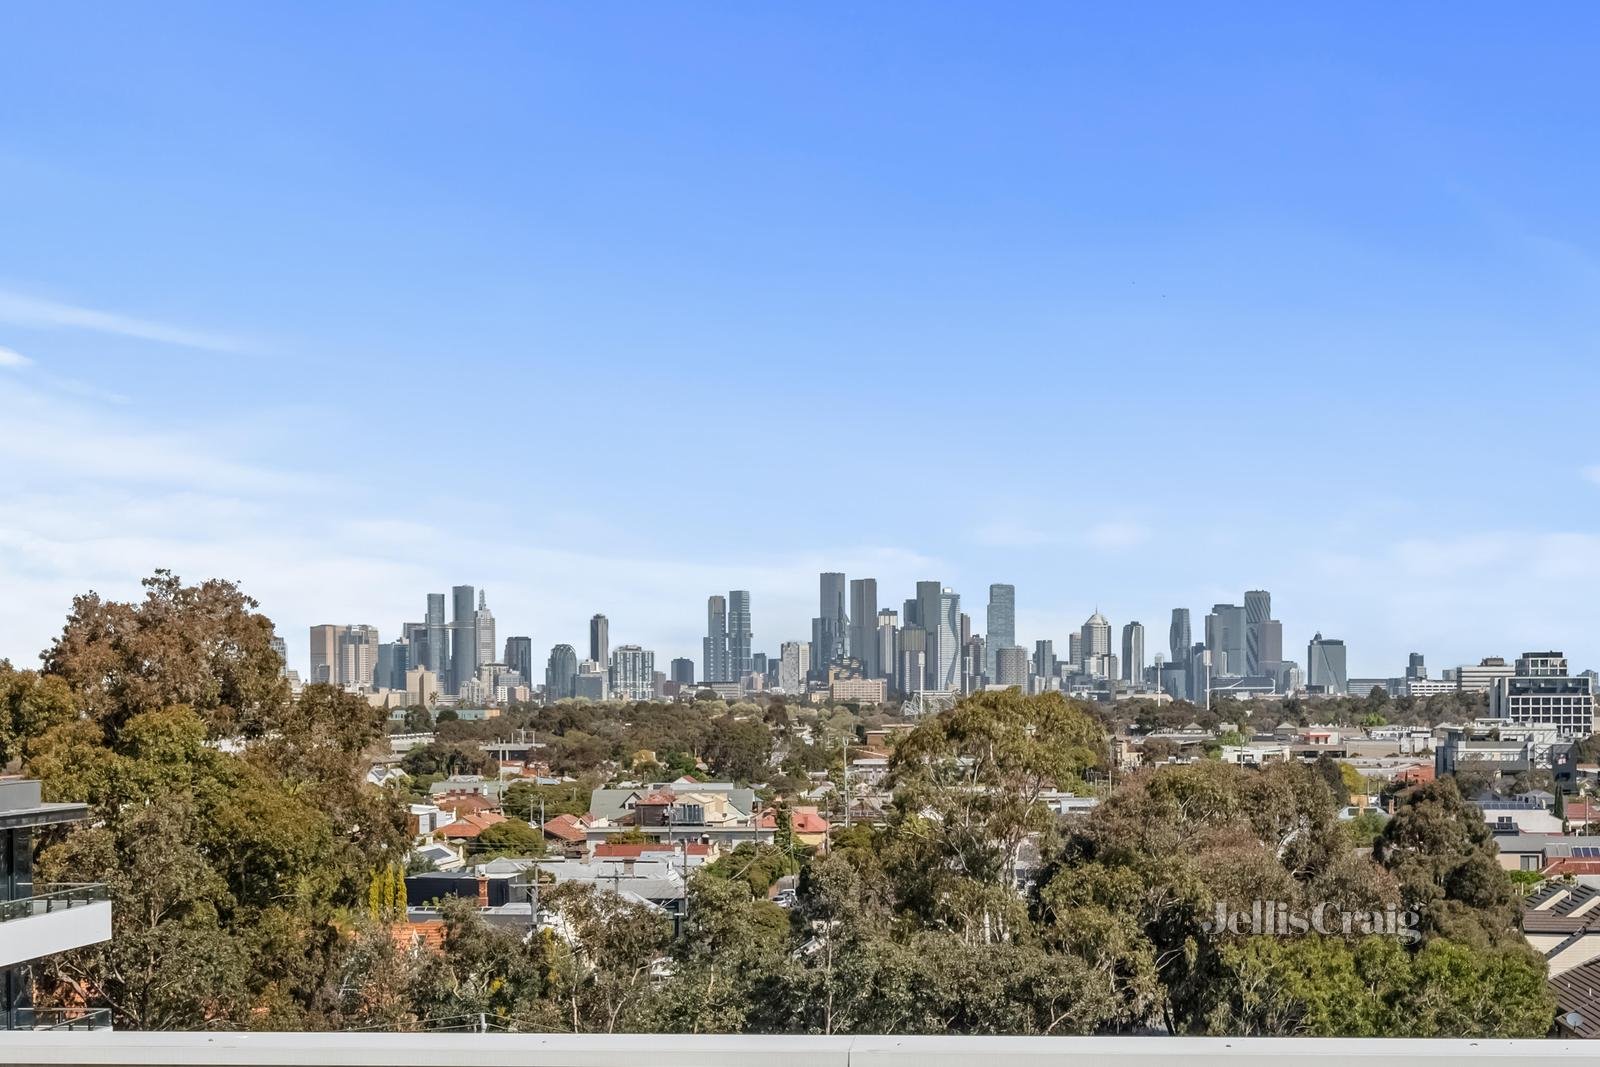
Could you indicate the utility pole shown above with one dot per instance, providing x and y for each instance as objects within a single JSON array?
[{"x": 844, "y": 778}]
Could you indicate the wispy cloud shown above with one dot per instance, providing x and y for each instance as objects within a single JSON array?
[
  {"x": 22, "y": 310},
  {"x": 1112, "y": 536},
  {"x": 1592, "y": 473},
  {"x": 10, "y": 357},
  {"x": 1010, "y": 533}
]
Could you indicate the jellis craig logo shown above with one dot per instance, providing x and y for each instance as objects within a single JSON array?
[{"x": 1274, "y": 918}]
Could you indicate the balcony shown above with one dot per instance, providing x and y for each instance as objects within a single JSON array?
[{"x": 56, "y": 918}]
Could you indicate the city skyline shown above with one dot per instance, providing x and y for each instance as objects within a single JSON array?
[
  {"x": 1098, "y": 634},
  {"x": 1338, "y": 248}
]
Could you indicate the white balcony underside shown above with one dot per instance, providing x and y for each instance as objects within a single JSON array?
[
  {"x": 46, "y": 933},
  {"x": 671, "y": 1050}
]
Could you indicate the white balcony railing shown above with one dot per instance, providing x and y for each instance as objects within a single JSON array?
[
  {"x": 56, "y": 918},
  {"x": 124, "y": 1049}
]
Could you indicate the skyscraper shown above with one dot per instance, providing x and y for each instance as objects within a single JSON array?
[
  {"x": 345, "y": 656},
  {"x": 944, "y": 643},
  {"x": 561, "y": 674},
  {"x": 1225, "y": 639},
  {"x": 519, "y": 657},
  {"x": 864, "y": 625},
  {"x": 436, "y": 652},
  {"x": 683, "y": 671},
  {"x": 1416, "y": 668},
  {"x": 1257, "y": 612},
  {"x": 483, "y": 628},
  {"x": 600, "y": 639},
  {"x": 358, "y": 656},
  {"x": 1044, "y": 659},
  {"x": 1075, "y": 651},
  {"x": 714, "y": 646},
  {"x": 463, "y": 636},
  {"x": 1179, "y": 640},
  {"x": 393, "y": 661},
  {"x": 739, "y": 634},
  {"x": 794, "y": 663},
  {"x": 830, "y": 630},
  {"x": 323, "y": 666},
  {"x": 1325, "y": 665},
  {"x": 1011, "y": 666},
  {"x": 633, "y": 673},
  {"x": 1133, "y": 652},
  {"x": 886, "y": 638},
  {"x": 1096, "y": 645},
  {"x": 1002, "y": 623}
]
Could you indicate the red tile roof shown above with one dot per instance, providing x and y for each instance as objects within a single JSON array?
[
  {"x": 566, "y": 828},
  {"x": 472, "y": 824}
]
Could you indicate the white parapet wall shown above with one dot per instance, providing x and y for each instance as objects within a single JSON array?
[{"x": 675, "y": 1050}]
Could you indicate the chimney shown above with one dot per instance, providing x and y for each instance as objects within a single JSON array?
[{"x": 483, "y": 891}]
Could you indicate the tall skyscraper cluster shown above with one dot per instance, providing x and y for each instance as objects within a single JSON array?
[{"x": 927, "y": 645}]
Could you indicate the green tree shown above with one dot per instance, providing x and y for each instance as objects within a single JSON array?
[
  {"x": 510, "y": 838},
  {"x": 1444, "y": 856}
]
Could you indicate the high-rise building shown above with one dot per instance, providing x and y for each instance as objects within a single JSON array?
[
  {"x": 358, "y": 657},
  {"x": 345, "y": 656},
  {"x": 1225, "y": 639},
  {"x": 1179, "y": 640},
  {"x": 794, "y": 663},
  {"x": 1075, "y": 651},
  {"x": 1011, "y": 666},
  {"x": 1416, "y": 670},
  {"x": 1096, "y": 644},
  {"x": 830, "y": 630},
  {"x": 1201, "y": 670},
  {"x": 483, "y": 628},
  {"x": 633, "y": 673},
  {"x": 864, "y": 625},
  {"x": 519, "y": 657},
  {"x": 561, "y": 674},
  {"x": 394, "y": 659},
  {"x": 714, "y": 646},
  {"x": 1002, "y": 623},
  {"x": 1133, "y": 652},
  {"x": 886, "y": 637},
  {"x": 281, "y": 647},
  {"x": 913, "y": 674},
  {"x": 1257, "y": 611},
  {"x": 435, "y": 655},
  {"x": 683, "y": 671},
  {"x": 941, "y": 613},
  {"x": 600, "y": 639},
  {"x": 1541, "y": 692},
  {"x": 1269, "y": 646},
  {"x": 463, "y": 636},
  {"x": 593, "y": 681},
  {"x": 1325, "y": 665},
  {"x": 1044, "y": 659},
  {"x": 324, "y": 665},
  {"x": 740, "y": 635}
]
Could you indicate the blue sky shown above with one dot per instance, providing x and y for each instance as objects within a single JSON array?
[{"x": 611, "y": 309}]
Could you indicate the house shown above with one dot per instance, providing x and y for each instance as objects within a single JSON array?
[
  {"x": 1516, "y": 815},
  {"x": 1562, "y": 923},
  {"x": 806, "y": 824},
  {"x": 1578, "y": 1000},
  {"x": 1547, "y": 853},
  {"x": 567, "y": 831},
  {"x": 684, "y": 855},
  {"x": 468, "y": 783},
  {"x": 1580, "y": 812},
  {"x": 463, "y": 804},
  {"x": 717, "y": 812},
  {"x": 470, "y": 826},
  {"x": 424, "y": 820}
]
